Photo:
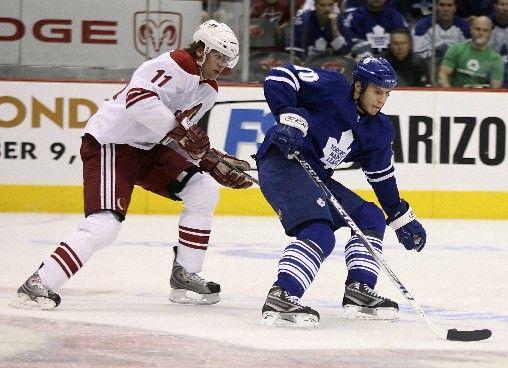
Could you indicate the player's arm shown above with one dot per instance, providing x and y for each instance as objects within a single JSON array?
[
  {"x": 281, "y": 89},
  {"x": 380, "y": 174}
]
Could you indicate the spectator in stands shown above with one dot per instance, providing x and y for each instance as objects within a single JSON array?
[
  {"x": 411, "y": 69},
  {"x": 349, "y": 6},
  {"x": 276, "y": 12},
  {"x": 499, "y": 38},
  {"x": 413, "y": 10},
  {"x": 371, "y": 25},
  {"x": 310, "y": 5},
  {"x": 473, "y": 63},
  {"x": 449, "y": 29},
  {"x": 223, "y": 11},
  {"x": 469, "y": 8},
  {"x": 321, "y": 31},
  {"x": 269, "y": 20}
]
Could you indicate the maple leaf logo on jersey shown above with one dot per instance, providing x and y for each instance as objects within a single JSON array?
[
  {"x": 335, "y": 152},
  {"x": 156, "y": 31},
  {"x": 378, "y": 38}
]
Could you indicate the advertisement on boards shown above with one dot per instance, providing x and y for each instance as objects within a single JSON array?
[
  {"x": 451, "y": 140},
  {"x": 107, "y": 34}
]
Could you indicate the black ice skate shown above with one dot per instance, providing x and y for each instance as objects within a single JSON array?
[
  {"x": 190, "y": 288},
  {"x": 281, "y": 309},
  {"x": 33, "y": 294},
  {"x": 362, "y": 302}
]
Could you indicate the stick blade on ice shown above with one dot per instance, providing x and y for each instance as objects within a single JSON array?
[{"x": 475, "y": 335}]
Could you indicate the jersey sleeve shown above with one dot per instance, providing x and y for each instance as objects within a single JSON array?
[
  {"x": 421, "y": 44},
  {"x": 281, "y": 88},
  {"x": 379, "y": 170},
  {"x": 451, "y": 55},
  {"x": 497, "y": 67}
]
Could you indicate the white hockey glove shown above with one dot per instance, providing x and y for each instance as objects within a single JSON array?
[{"x": 224, "y": 174}]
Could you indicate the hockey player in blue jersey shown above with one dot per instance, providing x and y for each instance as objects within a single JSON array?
[{"x": 328, "y": 121}]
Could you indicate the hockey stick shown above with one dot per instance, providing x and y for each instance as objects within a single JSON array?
[
  {"x": 233, "y": 167},
  {"x": 452, "y": 334}
]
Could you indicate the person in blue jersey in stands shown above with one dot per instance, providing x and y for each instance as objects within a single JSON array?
[
  {"x": 370, "y": 26},
  {"x": 328, "y": 121}
]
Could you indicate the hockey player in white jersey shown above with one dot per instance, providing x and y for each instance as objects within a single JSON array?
[{"x": 146, "y": 135}]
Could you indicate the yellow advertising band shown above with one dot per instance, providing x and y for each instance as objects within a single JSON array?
[{"x": 250, "y": 202}]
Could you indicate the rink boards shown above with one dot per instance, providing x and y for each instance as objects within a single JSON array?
[{"x": 450, "y": 149}]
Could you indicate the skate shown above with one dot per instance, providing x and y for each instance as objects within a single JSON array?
[
  {"x": 281, "y": 309},
  {"x": 190, "y": 288},
  {"x": 362, "y": 302},
  {"x": 33, "y": 294}
]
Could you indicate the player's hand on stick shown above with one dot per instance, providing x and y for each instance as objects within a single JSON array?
[
  {"x": 408, "y": 230},
  {"x": 192, "y": 139},
  {"x": 226, "y": 174},
  {"x": 289, "y": 133}
]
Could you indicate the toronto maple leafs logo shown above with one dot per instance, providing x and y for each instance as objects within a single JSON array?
[
  {"x": 335, "y": 152},
  {"x": 379, "y": 39}
]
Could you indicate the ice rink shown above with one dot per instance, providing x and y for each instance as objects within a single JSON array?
[{"x": 115, "y": 312}]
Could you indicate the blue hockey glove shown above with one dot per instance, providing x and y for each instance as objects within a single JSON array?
[
  {"x": 289, "y": 133},
  {"x": 288, "y": 139},
  {"x": 408, "y": 230}
]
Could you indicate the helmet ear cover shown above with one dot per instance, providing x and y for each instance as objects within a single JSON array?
[
  {"x": 377, "y": 71},
  {"x": 219, "y": 37}
]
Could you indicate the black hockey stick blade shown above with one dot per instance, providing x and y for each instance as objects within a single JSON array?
[{"x": 475, "y": 335}]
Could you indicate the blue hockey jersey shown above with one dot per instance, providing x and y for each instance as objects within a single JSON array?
[{"x": 337, "y": 132}]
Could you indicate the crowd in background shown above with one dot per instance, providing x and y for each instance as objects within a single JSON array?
[{"x": 464, "y": 45}]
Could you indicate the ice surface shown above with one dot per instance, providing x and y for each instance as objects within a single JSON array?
[{"x": 115, "y": 311}]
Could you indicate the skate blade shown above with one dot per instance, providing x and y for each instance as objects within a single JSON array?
[
  {"x": 23, "y": 301},
  {"x": 182, "y": 296},
  {"x": 298, "y": 320},
  {"x": 354, "y": 312}
]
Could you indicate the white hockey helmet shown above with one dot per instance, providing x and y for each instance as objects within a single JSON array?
[{"x": 218, "y": 36}]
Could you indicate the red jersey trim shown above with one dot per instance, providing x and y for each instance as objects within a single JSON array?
[
  {"x": 212, "y": 83},
  {"x": 185, "y": 61}
]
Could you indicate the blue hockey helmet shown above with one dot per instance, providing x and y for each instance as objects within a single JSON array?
[{"x": 375, "y": 70}]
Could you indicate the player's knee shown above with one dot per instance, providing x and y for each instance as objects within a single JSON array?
[
  {"x": 200, "y": 195},
  {"x": 320, "y": 232},
  {"x": 370, "y": 217},
  {"x": 101, "y": 229}
]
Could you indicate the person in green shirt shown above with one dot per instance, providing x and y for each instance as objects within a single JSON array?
[{"x": 473, "y": 63}]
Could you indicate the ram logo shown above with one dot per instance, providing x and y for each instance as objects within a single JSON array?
[{"x": 156, "y": 32}]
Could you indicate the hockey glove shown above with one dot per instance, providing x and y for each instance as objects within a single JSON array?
[
  {"x": 192, "y": 139},
  {"x": 408, "y": 230},
  {"x": 289, "y": 133},
  {"x": 224, "y": 174}
]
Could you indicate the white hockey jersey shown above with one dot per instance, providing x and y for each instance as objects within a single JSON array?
[{"x": 143, "y": 113}]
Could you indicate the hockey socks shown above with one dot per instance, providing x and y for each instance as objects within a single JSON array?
[
  {"x": 298, "y": 266},
  {"x": 360, "y": 264}
]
